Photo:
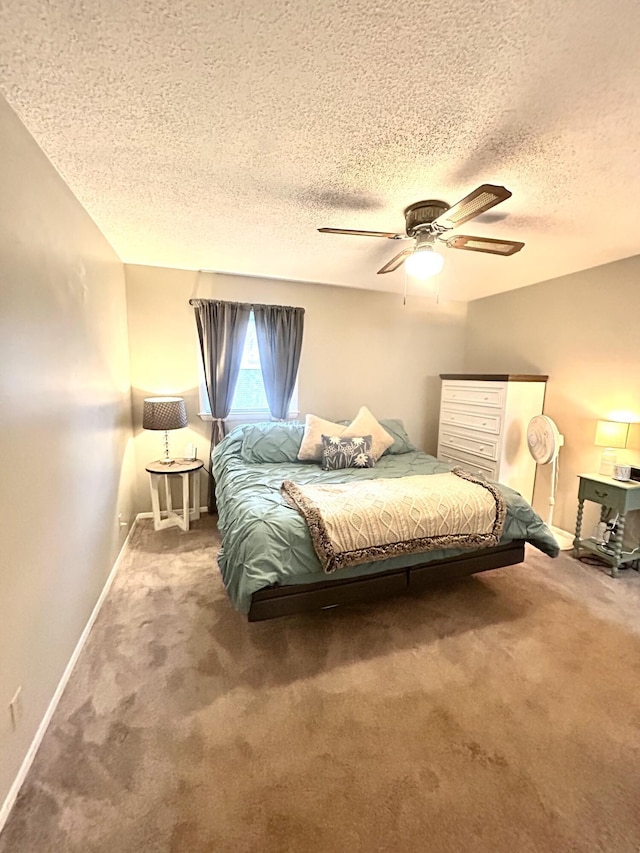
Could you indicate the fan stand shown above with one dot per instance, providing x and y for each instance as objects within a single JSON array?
[{"x": 565, "y": 539}]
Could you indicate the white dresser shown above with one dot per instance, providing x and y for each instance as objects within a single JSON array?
[{"x": 483, "y": 425}]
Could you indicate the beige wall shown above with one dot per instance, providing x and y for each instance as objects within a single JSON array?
[
  {"x": 65, "y": 429},
  {"x": 360, "y": 347},
  {"x": 581, "y": 330}
]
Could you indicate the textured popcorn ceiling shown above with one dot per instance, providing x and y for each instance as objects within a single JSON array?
[{"x": 221, "y": 135}]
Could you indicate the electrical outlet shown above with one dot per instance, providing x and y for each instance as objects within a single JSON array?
[
  {"x": 15, "y": 708},
  {"x": 122, "y": 523}
]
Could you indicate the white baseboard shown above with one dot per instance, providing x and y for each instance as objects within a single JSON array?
[{"x": 42, "y": 728}]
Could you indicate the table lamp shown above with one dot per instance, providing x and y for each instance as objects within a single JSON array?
[
  {"x": 164, "y": 413},
  {"x": 611, "y": 435}
]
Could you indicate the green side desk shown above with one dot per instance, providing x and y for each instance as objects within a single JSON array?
[{"x": 618, "y": 495}]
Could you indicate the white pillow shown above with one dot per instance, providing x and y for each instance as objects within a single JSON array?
[
  {"x": 365, "y": 423},
  {"x": 314, "y": 428}
]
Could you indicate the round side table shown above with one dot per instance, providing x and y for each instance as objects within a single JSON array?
[{"x": 189, "y": 470}]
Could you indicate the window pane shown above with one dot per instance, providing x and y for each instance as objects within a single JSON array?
[
  {"x": 249, "y": 394},
  {"x": 251, "y": 354}
]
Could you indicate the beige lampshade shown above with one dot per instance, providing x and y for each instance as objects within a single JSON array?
[{"x": 612, "y": 434}]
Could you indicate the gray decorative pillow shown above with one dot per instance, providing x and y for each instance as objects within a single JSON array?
[{"x": 352, "y": 452}]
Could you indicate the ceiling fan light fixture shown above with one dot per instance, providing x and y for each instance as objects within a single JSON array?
[{"x": 424, "y": 262}]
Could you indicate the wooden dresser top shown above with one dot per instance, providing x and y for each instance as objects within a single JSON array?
[{"x": 495, "y": 377}]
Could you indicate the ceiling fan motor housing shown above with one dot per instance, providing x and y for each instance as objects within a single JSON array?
[{"x": 420, "y": 215}]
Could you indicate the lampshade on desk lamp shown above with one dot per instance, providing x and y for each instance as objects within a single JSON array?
[
  {"x": 164, "y": 413},
  {"x": 612, "y": 435}
]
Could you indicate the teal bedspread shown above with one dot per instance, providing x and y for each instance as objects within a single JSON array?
[{"x": 264, "y": 541}]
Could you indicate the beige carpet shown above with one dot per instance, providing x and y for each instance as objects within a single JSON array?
[{"x": 501, "y": 713}]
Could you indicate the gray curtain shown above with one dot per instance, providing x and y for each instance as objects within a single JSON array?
[
  {"x": 279, "y": 332},
  {"x": 222, "y": 328}
]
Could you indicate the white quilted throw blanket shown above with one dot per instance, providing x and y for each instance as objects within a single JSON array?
[{"x": 371, "y": 520}]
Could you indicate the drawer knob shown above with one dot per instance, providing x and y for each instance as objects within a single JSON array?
[
  {"x": 482, "y": 448},
  {"x": 600, "y": 494},
  {"x": 484, "y": 423},
  {"x": 486, "y": 398}
]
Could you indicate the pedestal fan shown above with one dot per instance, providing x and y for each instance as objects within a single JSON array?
[{"x": 544, "y": 440}]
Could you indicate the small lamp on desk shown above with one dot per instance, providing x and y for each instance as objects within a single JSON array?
[
  {"x": 612, "y": 435},
  {"x": 164, "y": 413}
]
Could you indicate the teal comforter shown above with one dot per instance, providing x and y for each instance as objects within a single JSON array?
[{"x": 264, "y": 541}]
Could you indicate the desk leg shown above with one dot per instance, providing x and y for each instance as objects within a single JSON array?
[
  {"x": 155, "y": 499},
  {"x": 576, "y": 541},
  {"x": 617, "y": 545},
  {"x": 167, "y": 491},
  {"x": 196, "y": 494},
  {"x": 185, "y": 502}
]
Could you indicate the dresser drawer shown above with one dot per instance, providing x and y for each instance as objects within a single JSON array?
[
  {"x": 490, "y": 394},
  {"x": 484, "y": 422},
  {"x": 474, "y": 466},
  {"x": 471, "y": 443}
]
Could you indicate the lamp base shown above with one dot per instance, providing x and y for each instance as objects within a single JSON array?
[
  {"x": 166, "y": 459},
  {"x": 609, "y": 458}
]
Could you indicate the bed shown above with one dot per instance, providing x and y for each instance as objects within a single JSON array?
[{"x": 267, "y": 559}]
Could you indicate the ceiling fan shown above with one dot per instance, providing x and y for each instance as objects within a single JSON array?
[{"x": 428, "y": 222}]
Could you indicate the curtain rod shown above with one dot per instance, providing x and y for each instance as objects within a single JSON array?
[{"x": 251, "y": 304}]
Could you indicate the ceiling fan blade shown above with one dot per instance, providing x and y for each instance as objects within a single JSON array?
[
  {"x": 389, "y": 234},
  {"x": 481, "y": 199},
  {"x": 484, "y": 244},
  {"x": 396, "y": 261}
]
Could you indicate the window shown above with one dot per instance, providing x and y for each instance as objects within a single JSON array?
[{"x": 249, "y": 399}]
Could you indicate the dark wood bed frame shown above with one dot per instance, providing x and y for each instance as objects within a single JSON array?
[{"x": 285, "y": 600}]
